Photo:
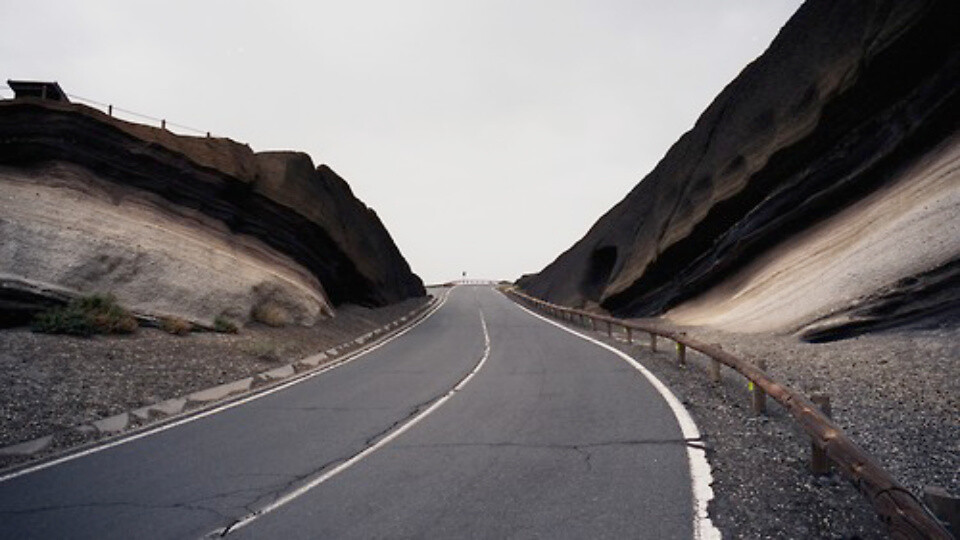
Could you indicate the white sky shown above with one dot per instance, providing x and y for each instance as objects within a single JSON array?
[{"x": 488, "y": 135}]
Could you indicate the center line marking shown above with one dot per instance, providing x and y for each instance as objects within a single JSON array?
[{"x": 249, "y": 518}]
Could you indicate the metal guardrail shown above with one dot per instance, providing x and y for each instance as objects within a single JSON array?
[{"x": 903, "y": 514}]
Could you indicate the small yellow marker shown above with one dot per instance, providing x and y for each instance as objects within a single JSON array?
[{"x": 750, "y": 386}]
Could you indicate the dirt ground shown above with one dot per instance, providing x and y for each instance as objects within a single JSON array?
[{"x": 51, "y": 383}]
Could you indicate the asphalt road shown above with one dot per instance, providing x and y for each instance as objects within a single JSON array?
[{"x": 508, "y": 427}]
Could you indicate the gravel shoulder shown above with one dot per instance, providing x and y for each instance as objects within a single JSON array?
[
  {"x": 52, "y": 383},
  {"x": 894, "y": 393}
]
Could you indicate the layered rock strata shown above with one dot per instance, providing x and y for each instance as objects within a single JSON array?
[
  {"x": 818, "y": 193},
  {"x": 180, "y": 226}
]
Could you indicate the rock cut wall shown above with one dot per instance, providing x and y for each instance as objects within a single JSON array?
[
  {"x": 854, "y": 105},
  {"x": 180, "y": 226}
]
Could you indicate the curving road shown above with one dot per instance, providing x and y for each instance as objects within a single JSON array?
[{"x": 483, "y": 421}]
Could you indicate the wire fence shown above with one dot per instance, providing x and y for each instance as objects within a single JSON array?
[{"x": 123, "y": 114}]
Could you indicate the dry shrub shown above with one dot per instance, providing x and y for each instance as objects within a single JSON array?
[
  {"x": 175, "y": 326},
  {"x": 85, "y": 316},
  {"x": 224, "y": 325},
  {"x": 270, "y": 314},
  {"x": 267, "y": 351}
]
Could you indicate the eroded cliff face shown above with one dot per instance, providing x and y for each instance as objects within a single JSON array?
[
  {"x": 180, "y": 226},
  {"x": 818, "y": 193}
]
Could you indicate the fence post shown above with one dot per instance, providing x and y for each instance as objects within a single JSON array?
[
  {"x": 653, "y": 342},
  {"x": 629, "y": 334},
  {"x": 163, "y": 124},
  {"x": 609, "y": 329},
  {"x": 758, "y": 396},
  {"x": 681, "y": 354},
  {"x": 109, "y": 110},
  {"x": 819, "y": 462},
  {"x": 714, "y": 370}
]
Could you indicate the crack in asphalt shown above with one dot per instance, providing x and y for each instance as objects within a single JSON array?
[
  {"x": 696, "y": 443},
  {"x": 112, "y": 504},
  {"x": 584, "y": 449},
  {"x": 313, "y": 408},
  {"x": 198, "y": 504},
  {"x": 272, "y": 499},
  {"x": 274, "y": 494},
  {"x": 191, "y": 505},
  {"x": 414, "y": 411}
]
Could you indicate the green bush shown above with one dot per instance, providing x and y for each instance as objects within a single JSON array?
[
  {"x": 85, "y": 316},
  {"x": 224, "y": 325}
]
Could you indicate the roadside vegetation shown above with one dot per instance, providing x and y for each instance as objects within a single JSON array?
[
  {"x": 86, "y": 316},
  {"x": 224, "y": 325},
  {"x": 175, "y": 326}
]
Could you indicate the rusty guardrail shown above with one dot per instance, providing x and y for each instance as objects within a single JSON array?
[{"x": 903, "y": 514}]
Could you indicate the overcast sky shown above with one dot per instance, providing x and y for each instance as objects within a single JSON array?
[{"x": 489, "y": 135}]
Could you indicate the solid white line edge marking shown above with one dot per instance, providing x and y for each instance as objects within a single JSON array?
[
  {"x": 243, "y": 522},
  {"x": 229, "y": 405},
  {"x": 700, "y": 473}
]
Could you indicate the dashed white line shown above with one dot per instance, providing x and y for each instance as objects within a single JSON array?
[{"x": 289, "y": 497}]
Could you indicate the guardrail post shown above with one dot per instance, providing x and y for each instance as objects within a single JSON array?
[
  {"x": 714, "y": 370},
  {"x": 109, "y": 110},
  {"x": 819, "y": 462},
  {"x": 681, "y": 354},
  {"x": 629, "y": 334},
  {"x": 163, "y": 124},
  {"x": 758, "y": 396},
  {"x": 902, "y": 512},
  {"x": 653, "y": 342},
  {"x": 609, "y": 329}
]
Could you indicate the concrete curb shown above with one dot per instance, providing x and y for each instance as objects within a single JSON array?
[{"x": 143, "y": 416}]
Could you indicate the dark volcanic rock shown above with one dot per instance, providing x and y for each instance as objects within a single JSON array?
[
  {"x": 186, "y": 226},
  {"x": 853, "y": 102},
  {"x": 322, "y": 197}
]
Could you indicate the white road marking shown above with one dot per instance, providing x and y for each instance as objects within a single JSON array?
[
  {"x": 194, "y": 417},
  {"x": 700, "y": 473},
  {"x": 243, "y": 522}
]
